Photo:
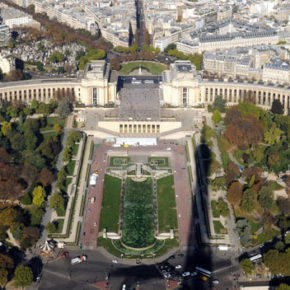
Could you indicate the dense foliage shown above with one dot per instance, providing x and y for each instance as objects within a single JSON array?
[{"x": 138, "y": 214}]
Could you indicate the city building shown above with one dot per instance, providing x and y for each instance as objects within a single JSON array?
[
  {"x": 4, "y": 34},
  {"x": 13, "y": 18},
  {"x": 7, "y": 63}
]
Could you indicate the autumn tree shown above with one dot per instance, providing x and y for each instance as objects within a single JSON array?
[
  {"x": 3, "y": 277},
  {"x": 6, "y": 262},
  {"x": 39, "y": 195},
  {"x": 277, "y": 262},
  {"x": 8, "y": 216},
  {"x": 234, "y": 194},
  {"x": 23, "y": 276},
  {"x": 245, "y": 133},
  {"x": 232, "y": 172},
  {"x": 5, "y": 128},
  {"x": 247, "y": 266},
  {"x": 14, "y": 75},
  {"x": 46, "y": 177},
  {"x": 233, "y": 115},
  {"x": 216, "y": 116},
  {"x": 29, "y": 237},
  {"x": 146, "y": 37},
  {"x": 115, "y": 64}
]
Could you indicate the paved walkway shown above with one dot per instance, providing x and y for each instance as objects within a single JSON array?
[{"x": 93, "y": 210}]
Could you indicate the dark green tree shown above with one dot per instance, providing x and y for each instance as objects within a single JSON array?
[
  {"x": 265, "y": 197},
  {"x": 277, "y": 107},
  {"x": 23, "y": 276},
  {"x": 219, "y": 104}
]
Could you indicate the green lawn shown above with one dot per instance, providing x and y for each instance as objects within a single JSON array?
[
  {"x": 70, "y": 167},
  {"x": 219, "y": 228},
  {"x": 138, "y": 214},
  {"x": 51, "y": 121},
  {"x": 59, "y": 225},
  {"x": 75, "y": 149},
  {"x": 119, "y": 161},
  {"x": 267, "y": 235},
  {"x": 215, "y": 212},
  {"x": 254, "y": 226},
  {"x": 154, "y": 68},
  {"x": 166, "y": 204},
  {"x": 111, "y": 204},
  {"x": 158, "y": 161}
]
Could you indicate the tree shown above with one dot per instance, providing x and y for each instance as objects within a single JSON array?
[
  {"x": 265, "y": 197},
  {"x": 146, "y": 37},
  {"x": 232, "y": 172},
  {"x": 73, "y": 137},
  {"x": 284, "y": 205},
  {"x": 247, "y": 266},
  {"x": 219, "y": 104},
  {"x": 14, "y": 75},
  {"x": 46, "y": 177},
  {"x": 30, "y": 140},
  {"x": 8, "y": 216},
  {"x": 50, "y": 227},
  {"x": 6, "y": 262},
  {"x": 23, "y": 276},
  {"x": 5, "y": 128},
  {"x": 3, "y": 277},
  {"x": 64, "y": 108},
  {"x": 57, "y": 128},
  {"x": 115, "y": 64},
  {"x": 248, "y": 200},
  {"x": 170, "y": 46},
  {"x": 57, "y": 201},
  {"x": 36, "y": 214},
  {"x": 280, "y": 246},
  {"x": 67, "y": 154},
  {"x": 277, "y": 107},
  {"x": 39, "y": 195},
  {"x": 222, "y": 207},
  {"x": 273, "y": 135},
  {"x": 283, "y": 286},
  {"x": 234, "y": 194},
  {"x": 272, "y": 261},
  {"x": 29, "y": 237},
  {"x": 216, "y": 116}
]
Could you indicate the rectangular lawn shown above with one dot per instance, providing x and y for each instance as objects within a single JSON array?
[
  {"x": 166, "y": 204},
  {"x": 111, "y": 204},
  {"x": 138, "y": 217}
]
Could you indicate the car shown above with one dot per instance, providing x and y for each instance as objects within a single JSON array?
[
  {"x": 115, "y": 261},
  {"x": 193, "y": 274},
  {"x": 185, "y": 274},
  {"x": 180, "y": 254},
  {"x": 177, "y": 267},
  {"x": 215, "y": 281},
  {"x": 171, "y": 257},
  {"x": 84, "y": 234}
]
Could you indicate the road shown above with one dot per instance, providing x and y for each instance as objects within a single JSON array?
[{"x": 140, "y": 22}]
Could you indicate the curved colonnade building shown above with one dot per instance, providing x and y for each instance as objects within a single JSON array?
[{"x": 181, "y": 86}]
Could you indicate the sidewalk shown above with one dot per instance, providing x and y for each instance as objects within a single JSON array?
[{"x": 77, "y": 193}]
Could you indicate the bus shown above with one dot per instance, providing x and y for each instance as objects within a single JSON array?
[
  {"x": 203, "y": 271},
  {"x": 256, "y": 258}
]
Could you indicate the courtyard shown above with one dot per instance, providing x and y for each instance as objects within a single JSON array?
[{"x": 111, "y": 210}]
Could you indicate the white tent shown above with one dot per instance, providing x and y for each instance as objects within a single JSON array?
[
  {"x": 47, "y": 247},
  {"x": 136, "y": 141}
]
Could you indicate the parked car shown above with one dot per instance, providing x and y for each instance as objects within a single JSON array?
[
  {"x": 215, "y": 281},
  {"x": 115, "y": 261},
  {"x": 177, "y": 267},
  {"x": 193, "y": 274},
  {"x": 185, "y": 274}
]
